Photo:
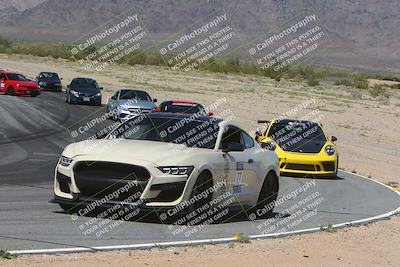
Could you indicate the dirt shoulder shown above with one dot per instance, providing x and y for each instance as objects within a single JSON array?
[
  {"x": 367, "y": 131},
  {"x": 370, "y": 245}
]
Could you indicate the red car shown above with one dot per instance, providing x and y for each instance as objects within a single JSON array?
[
  {"x": 13, "y": 83},
  {"x": 186, "y": 107}
]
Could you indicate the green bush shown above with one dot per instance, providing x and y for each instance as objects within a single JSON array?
[
  {"x": 377, "y": 90},
  {"x": 344, "y": 82},
  {"x": 312, "y": 82},
  {"x": 395, "y": 86}
]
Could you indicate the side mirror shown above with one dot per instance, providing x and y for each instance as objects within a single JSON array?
[
  {"x": 155, "y": 100},
  {"x": 333, "y": 138},
  {"x": 61, "y": 78},
  {"x": 234, "y": 147},
  {"x": 101, "y": 88},
  {"x": 210, "y": 114}
]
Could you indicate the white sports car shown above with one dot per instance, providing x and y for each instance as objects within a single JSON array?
[{"x": 167, "y": 160}]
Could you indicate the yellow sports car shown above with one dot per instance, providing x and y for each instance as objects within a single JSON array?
[{"x": 301, "y": 146}]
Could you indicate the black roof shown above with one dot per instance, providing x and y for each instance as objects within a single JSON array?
[{"x": 180, "y": 116}]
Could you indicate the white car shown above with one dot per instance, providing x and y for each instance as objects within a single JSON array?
[
  {"x": 165, "y": 160},
  {"x": 127, "y": 103}
]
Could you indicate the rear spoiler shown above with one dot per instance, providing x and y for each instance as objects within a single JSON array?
[{"x": 263, "y": 121}]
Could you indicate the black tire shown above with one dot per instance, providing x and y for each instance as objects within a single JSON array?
[
  {"x": 203, "y": 183},
  {"x": 34, "y": 95},
  {"x": 337, "y": 168},
  {"x": 10, "y": 90},
  {"x": 269, "y": 193},
  {"x": 68, "y": 208}
]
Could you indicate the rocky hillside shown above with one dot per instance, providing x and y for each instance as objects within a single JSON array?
[{"x": 364, "y": 32}]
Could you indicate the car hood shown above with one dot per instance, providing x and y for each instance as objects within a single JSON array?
[
  {"x": 136, "y": 104},
  {"x": 128, "y": 151},
  {"x": 303, "y": 146},
  {"x": 86, "y": 90}
]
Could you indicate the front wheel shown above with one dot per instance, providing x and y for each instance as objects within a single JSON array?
[
  {"x": 68, "y": 208},
  {"x": 10, "y": 90},
  {"x": 201, "y": 190},
  {"x": 268, "y": 194}
]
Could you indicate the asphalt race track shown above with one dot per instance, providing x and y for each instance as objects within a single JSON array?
[{"x": 34, "y": 132}]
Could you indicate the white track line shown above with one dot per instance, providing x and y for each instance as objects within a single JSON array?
[{"x": 209, "y": 241}]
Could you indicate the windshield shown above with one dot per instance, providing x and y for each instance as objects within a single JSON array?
[
  {"x": 84, "y": 83},
  {"x": 182, "y": 108},
  {"x": 48, "y": 76},
  {"x": 190, "y": 133},
  {"x": 285, "y": 133},
  {"x": 17, "y": 77},
  {"x": 133, "y": 94}
]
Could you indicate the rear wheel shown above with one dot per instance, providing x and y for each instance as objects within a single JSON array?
[
  {"x": 10, "y": 90},
  {"x": 268, "y": 193}
]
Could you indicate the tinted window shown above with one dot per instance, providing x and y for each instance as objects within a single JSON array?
[
  {"x": 231, "y": 135},
  {"x": 248, "y": 141},
  {"x": 133, "y": 94},
  {"x": 48, "y": 75},
  {"x": 178, "y": 131},
  {"x": 84, "y": 83},
  {"x": 283, "y": 133},
  {"x": 17, "y": 77},
  {"x": 181, "y": 108}
]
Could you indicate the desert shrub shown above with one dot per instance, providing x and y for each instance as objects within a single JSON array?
[
  {"x": 312, "y": 82},
  {"x": 395, "y": 86},
  {"x": 377, "y": 90},
  {"x": 344, "y": 82}
]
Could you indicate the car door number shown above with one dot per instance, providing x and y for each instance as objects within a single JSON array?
[{"x": 1, "y": 85}]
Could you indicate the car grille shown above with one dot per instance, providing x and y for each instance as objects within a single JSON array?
[
  {"x": 329, "y": 166},
  {"x": 85, "y": 95},
  {"x": 300, "y": 167},
  {"x": 99, "y": 179},
  {"x": 139, "y": 110},
  {"x": 64, "y": 182}
]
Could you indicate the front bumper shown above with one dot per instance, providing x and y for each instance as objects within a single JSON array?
[
  {"x": 157, "y": 191},
  {"x": 88, "y": 100},
  {"x": 313, "y": 164},
  {"x": 51, "y": 87},
  {"x": 124, "y": 115},
  {"x": 27, "y": 91}
]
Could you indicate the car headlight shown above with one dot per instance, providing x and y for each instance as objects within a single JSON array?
[
  {"x": 75, "y": 93},
  {"x": 268, "y": 145},
  {"x": 65, "y": 161},
  {"x": 98, "y": 94},
  {"x": 187, "y": 170},
  {"x": 330, "y": 150}
]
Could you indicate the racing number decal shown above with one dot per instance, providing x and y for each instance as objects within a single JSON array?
[
  {"x": 237, "y": 187},
  {"x": 1, "y": 85}
]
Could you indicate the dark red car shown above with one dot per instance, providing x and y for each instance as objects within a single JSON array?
[
  {"x": 13, "y": 83},
  {"x": 186, "y": 107}
]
